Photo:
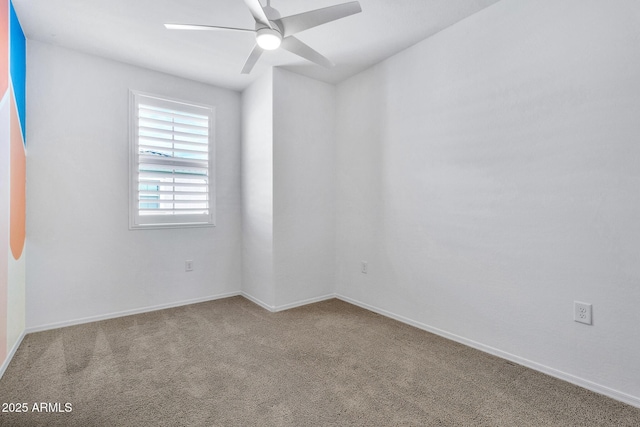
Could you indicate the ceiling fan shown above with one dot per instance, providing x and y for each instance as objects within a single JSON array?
[{"x": 272, "y": 31}]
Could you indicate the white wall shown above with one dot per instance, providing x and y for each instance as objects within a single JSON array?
[
  {"x": 489, "y": 175},
  {"x": 16, "y": 301},
  {"x": 288, "y": 189},
  {"x": 304, "y": 187},
  {"x": 257, "y": 191},
  {"x": 83, "y": 260}
]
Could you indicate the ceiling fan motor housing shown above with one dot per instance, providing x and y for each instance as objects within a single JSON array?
[{"x": 269, "y": 38}]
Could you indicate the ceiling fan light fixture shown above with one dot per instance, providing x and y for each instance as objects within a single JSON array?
[
  {"x": 271, "y": 29},
  {"x": 268, "y": 39}
]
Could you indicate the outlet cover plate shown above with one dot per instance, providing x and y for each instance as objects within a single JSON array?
[{"x": 582, "y": 312}]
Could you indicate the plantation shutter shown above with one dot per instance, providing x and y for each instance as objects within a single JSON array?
[{"x": 172, "y": 163}]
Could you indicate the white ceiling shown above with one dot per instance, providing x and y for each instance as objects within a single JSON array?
[{"x": 132, "y": 31}]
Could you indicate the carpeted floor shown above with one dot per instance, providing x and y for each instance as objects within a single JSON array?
[{"x": 231, "y": 363}]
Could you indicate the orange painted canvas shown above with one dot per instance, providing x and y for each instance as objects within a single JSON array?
[
  {"x": 17, "y": 216},
  {"x": 4, "y": 142}
]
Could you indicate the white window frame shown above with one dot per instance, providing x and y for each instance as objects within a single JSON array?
[{"x": 138, "y": 221}]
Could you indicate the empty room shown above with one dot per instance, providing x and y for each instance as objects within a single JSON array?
[{"x": 320, "y": 212}]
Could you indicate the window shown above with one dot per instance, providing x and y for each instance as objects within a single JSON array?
[{"x": 171, "y": 163}]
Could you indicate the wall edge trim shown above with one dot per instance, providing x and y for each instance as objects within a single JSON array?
[
  {"x": 124, "y": 313},
  {"x": 305, "y": 302},
  {"x": 258, "y": 301},
  {"x": 581, "y": 382},
  {"x": 288, "y": 306},
  {"x": 12, "y": 353}
]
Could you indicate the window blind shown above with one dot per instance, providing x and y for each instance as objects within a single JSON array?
[{"x": 172, "y": 162}]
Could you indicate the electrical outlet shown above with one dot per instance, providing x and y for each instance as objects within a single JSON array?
[
  {"x": 365, "y": 267},
  {"x": 582, "y": 312},
  {"x": 188, "y": 265}
]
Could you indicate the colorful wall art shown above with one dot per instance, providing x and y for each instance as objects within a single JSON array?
[{"x": 12, "y": 179}]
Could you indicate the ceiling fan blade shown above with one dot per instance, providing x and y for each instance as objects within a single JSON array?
[
  {"x": 294, "y": 45},
  {"x": 258, "y": 12},
  {"x": 303, "y": 21},
  {"x": 252, "y": 59},
  {"x": 202, "y": 27}
]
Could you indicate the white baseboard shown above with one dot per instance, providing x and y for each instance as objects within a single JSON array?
[
  {"x": 258, "y": 302},
  {"x": 304, "y": 302},
  {"x": 128, "y": 312},
  {"x": 589, "y": 385},
  {"x": 581, "y": 382},
  {"x": 276, "y": 308},
  {"x": 12, "y": 353}
]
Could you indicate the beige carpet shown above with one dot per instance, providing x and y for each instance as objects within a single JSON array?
[{"x": 231, "y": 363}]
